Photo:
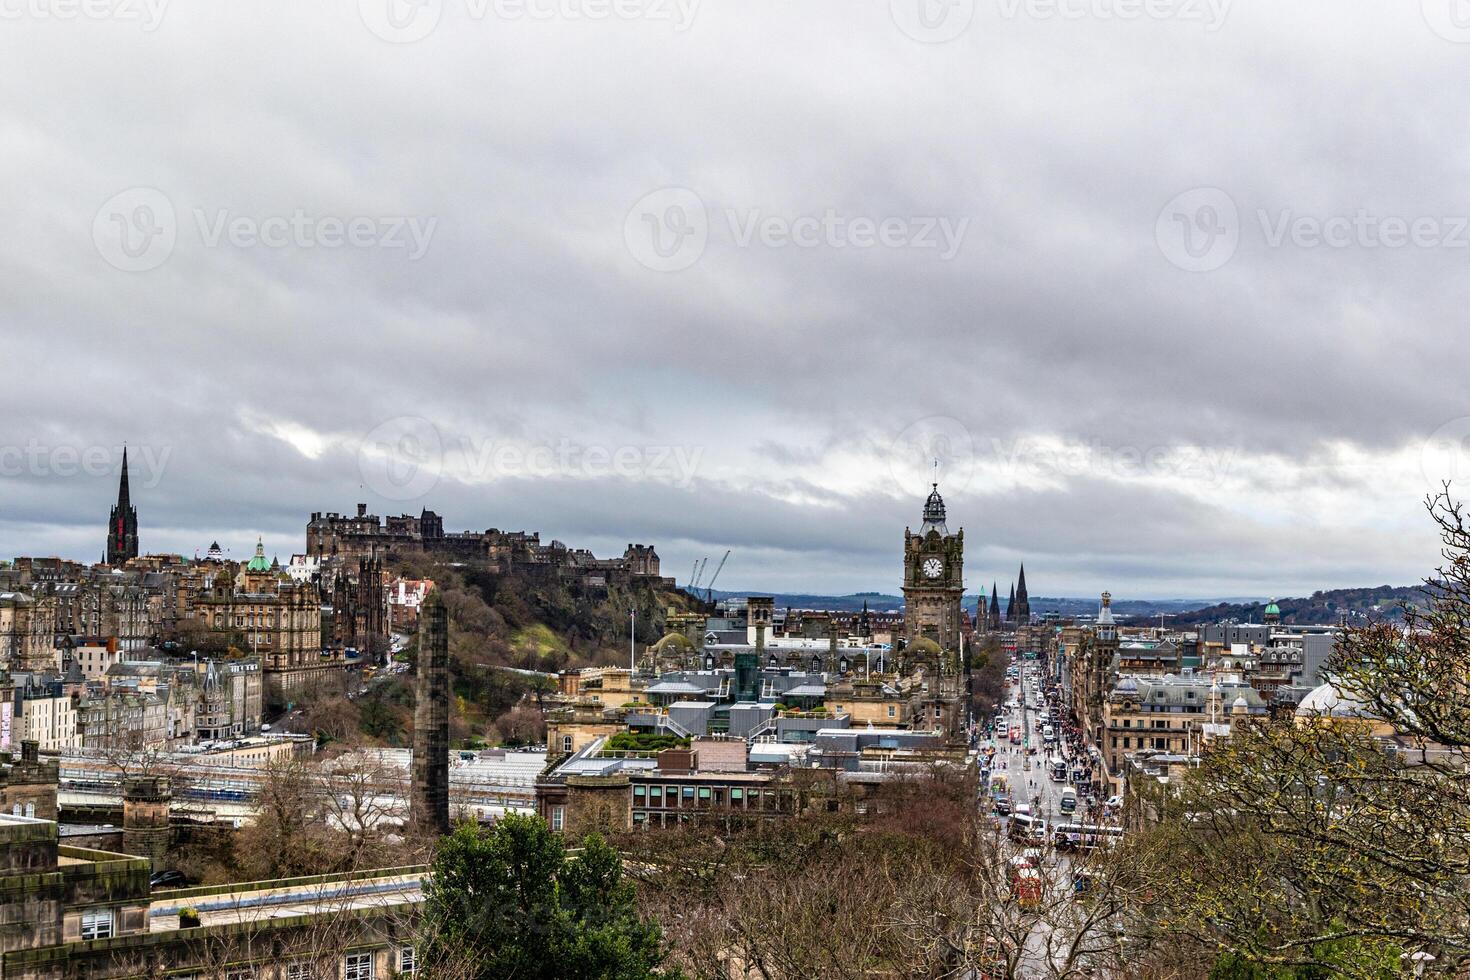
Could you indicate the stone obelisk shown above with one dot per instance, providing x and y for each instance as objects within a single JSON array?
[{"x": 430, "y": 798}]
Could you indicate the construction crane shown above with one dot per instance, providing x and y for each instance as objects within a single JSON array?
[
  {"x": 709, "y": 590},
  {"x": 692, "y": 571},
  {"x": 699, "y": 574}
]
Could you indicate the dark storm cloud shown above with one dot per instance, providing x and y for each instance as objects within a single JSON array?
[{"x": 1313, "y": 371}]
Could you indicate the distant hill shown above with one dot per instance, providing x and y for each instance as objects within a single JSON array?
[
  {"x": 877, "y": 601},
  {"x": 1322, "y": 608},
  {"x": 883, "y": 602}
]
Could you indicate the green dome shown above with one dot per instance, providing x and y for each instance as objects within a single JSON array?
[
  {"x": 1273, "y": 610},
  {"x": 259, "y": 562},
  {"x": 673, "y": 641}
]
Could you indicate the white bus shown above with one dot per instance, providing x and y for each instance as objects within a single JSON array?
[{"x": 1084, "y": 837}]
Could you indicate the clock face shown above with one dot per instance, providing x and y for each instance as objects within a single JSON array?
[{"x": 933, "y": 568}]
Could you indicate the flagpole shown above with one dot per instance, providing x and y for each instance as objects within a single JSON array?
[{"x": 632, "y": 627}]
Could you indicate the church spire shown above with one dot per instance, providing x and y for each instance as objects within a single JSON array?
[
  {"x": 1023, "y": 601},
  {"x": 123, "y": 500},
  {"x": 122, "y": 524}
]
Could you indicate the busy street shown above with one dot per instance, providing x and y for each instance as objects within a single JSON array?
[{"x": 1038, "y": 778}]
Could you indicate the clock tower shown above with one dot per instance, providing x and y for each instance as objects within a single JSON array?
[{"x": 933, "y": 578}]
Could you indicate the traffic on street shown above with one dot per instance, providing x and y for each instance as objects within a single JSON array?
[{"x": 1038, "y": 778}]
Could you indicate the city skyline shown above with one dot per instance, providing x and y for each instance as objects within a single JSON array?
[
  {"x": 1181, "y": 354},
  {"x": 973, "y": 586}
]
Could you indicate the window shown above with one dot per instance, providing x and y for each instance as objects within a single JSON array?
[
  {"x": 891, "y": 711},
  {"x": 558, "y": 817},
  {"x": 300, "y": 970},
  {"x": 246, "y": 974},
  {"x": 688, "y": 792},
  {"x": 405, "y": 960},
  {"x": 357, "y": 966},
  {"x": 566, "y": 743},
  {"x": 97, "y": 924}
]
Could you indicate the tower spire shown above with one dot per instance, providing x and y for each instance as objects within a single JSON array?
[
  {"x": 122, "y": 524},
  {"x": 122, "y": 484},
  {"x": 1023, "y": 601}
]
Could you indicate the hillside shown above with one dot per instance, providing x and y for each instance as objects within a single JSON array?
[
  {"x": 884, "y": 602},
  {"x": 509, "y": 621},
  {"x": 1322, "y": 608}
]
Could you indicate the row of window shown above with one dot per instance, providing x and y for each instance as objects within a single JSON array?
[
  {"x": 355, "y": 966},
  {"x": 101, "y": 924},
  {"x": 1143, "y": 743},
  {"x": 704, "y": 796}
]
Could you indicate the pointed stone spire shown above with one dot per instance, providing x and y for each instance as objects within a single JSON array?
[
  {"x": 994, "y": 606},
  {"x": 123, "y": 499},
  {"x": 1011, "y": 605},
  {"x": 122, "y": 525},
  {"x": 1023, "y": 601}
]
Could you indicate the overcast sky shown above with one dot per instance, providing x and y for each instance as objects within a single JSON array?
[{"x": 1175, "y": 290}]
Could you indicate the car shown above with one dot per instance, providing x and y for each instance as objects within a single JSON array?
[
  {"x": 167, "y": 879},
  {"x": 1114, "y": 802}
]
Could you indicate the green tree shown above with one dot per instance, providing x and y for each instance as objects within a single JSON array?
[
  {"x": 510, "y": 902},
  {"x": 1333, "y": 845}
]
